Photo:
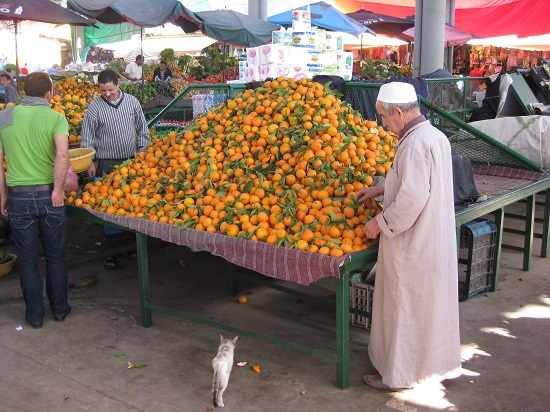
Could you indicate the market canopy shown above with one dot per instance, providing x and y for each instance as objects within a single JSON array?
[
  {"x": 44, "y": 11},
  {"x": 483, "y": 18},
  {"x": 325, "y": 16},
  {"x": 383, "y": 24},
  {"x": 453, "y": 35},
  {"x": 143, "y": 13},
  {"x": 38, "y": 10},
  {"x": 236, "y": 28}
]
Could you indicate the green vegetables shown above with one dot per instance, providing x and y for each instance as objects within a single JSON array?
[{"x": 135, "y": 89}]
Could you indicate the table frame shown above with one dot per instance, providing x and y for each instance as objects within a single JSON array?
[{"x": 356, "y": 261}]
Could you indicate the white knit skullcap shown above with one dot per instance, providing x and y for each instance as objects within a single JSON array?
[{"x": 397, "y": 92}]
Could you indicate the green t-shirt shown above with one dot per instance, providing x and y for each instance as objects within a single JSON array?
[{"x": 29, "y": 144}]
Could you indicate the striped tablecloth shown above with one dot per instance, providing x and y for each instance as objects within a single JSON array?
[{"x": 277, "y": 262}]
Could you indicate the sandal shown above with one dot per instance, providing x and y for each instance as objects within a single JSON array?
[
  {"x": 375, "y": 381},
  {"x": 110, "y": 263}
]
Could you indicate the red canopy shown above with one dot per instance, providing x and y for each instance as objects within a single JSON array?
[{"x": 483, "y": 18}]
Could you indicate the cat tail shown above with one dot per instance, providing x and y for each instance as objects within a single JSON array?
[{"x": 215, "y": 386}]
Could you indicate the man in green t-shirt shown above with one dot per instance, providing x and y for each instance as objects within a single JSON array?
[{"x": 34, "y": 140}]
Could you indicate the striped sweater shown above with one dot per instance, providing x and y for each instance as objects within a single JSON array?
[{"x": 115, "y": 131}]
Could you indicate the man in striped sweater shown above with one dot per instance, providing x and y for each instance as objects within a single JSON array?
[{"x": 114, "y": 125}]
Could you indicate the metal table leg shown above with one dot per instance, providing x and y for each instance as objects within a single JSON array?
[
  {"x": 342, "y": 331},
  {"x": 499, "y": 222},
  {"x": 231, "y": 279},
  {"x": 545, "y": 224},
  {"x": 529, "y": 227},
  {"x": 143, "y": 278}
]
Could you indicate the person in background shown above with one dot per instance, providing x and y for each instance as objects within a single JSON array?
[
  {"x": 476, "y": 71},
  {"x": 12, "y": 81},
  {"x": 114, "y": 125},
  {"x": 134, "y": 70},
  {"x": 24, "y": 70},
  {"x": 162, "y": 73},
  {"x": 11, "y": 95},
  {"x": 415, "y": 325},
  {"x": 34, "y": 140}
]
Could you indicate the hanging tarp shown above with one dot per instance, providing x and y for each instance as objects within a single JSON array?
[
  {"x": 482, "y": 18},
  {"x": 103, "y": 34},
  {"x": 108, "y": 33},
  {"x": 453, "y": 35},
  {"x": 232, "y": 27},
  {"x": 143, "y": 13},
  {"x": 325, "y": 16}
]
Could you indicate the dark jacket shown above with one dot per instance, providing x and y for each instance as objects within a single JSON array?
[{"x": 157, "y": 75}]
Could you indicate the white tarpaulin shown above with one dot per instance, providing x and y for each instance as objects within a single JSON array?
[
  {"x": 527, "y": 135},
  {"x": 541, "y": 42},
  {"x": 184, "y": 43}
]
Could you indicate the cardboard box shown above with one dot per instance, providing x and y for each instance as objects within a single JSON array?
[
  {"x": 335, "y": 41},
  {"x": 252, "y": 73},
  {"x": 253, "y": 56},
  {"x": 272, "y": 53},
  {"x": 305, "y": 39},
  {"x": 273, "y": 70},
  {"x": 345, "y": 61}
]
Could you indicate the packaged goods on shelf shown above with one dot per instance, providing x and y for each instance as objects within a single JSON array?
[
  {"x": 252, "y": 56},
  {"x": 282, "y": 36},
  {"x": 335, "y": 41},
  {"x": 252, "y": 73},
  {"x": 312, "y": 53},
  {"x": 314, "y": 58},
  {"x": 321, "y": 39},
  {"x": 243, "y": 65},
  {"x": 305, "y": 39},
  {"x": 329, "y": 60},
  {"x": 346, "y": 76},
  {"x": 301, "y": 20},
  {"x": 272, "y": 53},
  {"x": 345, "y": 61},
  {"x": 273, "y": 70}
]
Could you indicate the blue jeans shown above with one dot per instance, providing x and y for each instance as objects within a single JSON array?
[{"x": 33, "y": 218}]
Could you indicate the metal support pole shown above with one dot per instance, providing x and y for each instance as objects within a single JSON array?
[
  {"x": 450, "y": 19},
  {"x": 17, "y": 82},
  {"x": 429, "y": 36}
]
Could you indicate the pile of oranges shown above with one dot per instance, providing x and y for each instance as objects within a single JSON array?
[
  {"x": 280, "y": 164},
  {"x": 71, "y": 98}
]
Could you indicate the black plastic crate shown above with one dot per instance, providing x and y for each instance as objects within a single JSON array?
[
  {"x": 361, "y": 298},
  {"x": 477, "y": 244}
]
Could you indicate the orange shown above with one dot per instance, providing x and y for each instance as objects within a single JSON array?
[{"x": 243, "y": 299}]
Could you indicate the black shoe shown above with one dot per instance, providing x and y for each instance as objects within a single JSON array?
[
  {"x": 110, "y": 263},
  {"x": 36, "y": 325},
  {"x": 61, "y": 318}
]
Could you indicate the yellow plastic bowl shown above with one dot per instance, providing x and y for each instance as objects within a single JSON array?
[
  {"x": 6, "y": 267},
  {"x": 81, "y": 158}
]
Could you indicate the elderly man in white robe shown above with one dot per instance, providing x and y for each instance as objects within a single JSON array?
[{"x": 415, "y": 328}]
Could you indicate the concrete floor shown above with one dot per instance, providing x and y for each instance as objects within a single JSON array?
[{"x": 82, "y": 363}]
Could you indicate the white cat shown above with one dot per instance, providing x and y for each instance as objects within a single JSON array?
[{"x": 222, "y": 364}]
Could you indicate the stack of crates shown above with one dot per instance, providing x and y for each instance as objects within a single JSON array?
[{"x": 477, "y": 244}]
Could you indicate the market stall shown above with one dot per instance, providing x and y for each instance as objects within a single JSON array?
[
  {"x": 506, "y": 179},
  {"x": 503, "y": 186}
]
